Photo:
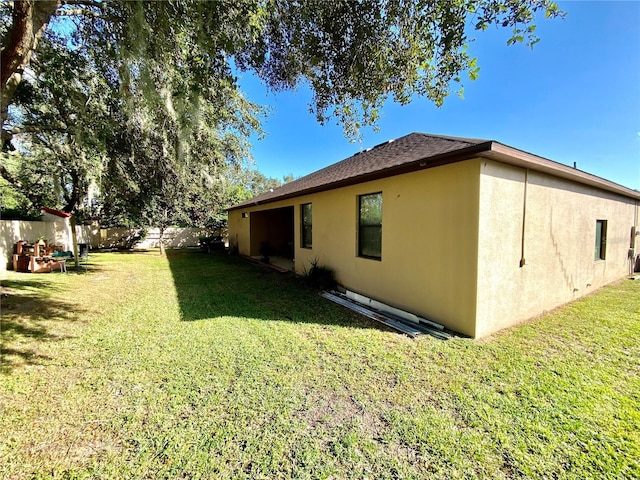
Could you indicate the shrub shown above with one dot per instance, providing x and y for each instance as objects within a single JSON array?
[
  {"x": 319, "y": 277},
  {"x": 134, "y": 236},
  {"x": 19, "y": 214}
]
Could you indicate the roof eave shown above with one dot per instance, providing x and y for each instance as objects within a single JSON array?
[
  {"x": 57, "y": 213},
  {"x": 491, "y": 150},
  {"x": 420, "y": 164},
  {"x": 519, "y": 158}
]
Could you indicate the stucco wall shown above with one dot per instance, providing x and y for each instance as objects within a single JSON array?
[
  {"x": 429, "y": 241},
  {"x": 239, "y": 229},
  {"x": 559, "y": 243}
]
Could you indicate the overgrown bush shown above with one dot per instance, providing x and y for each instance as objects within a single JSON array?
[
  {"x": 319, "y": 277},
  {"x": 133, "y": 237}
]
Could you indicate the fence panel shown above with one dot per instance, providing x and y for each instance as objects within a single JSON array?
[
  {"x": 12, "y": 231},
  {"x": 59, "y": 233}
]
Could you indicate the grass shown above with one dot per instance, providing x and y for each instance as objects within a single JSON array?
[{"x": 205, "y": 366}]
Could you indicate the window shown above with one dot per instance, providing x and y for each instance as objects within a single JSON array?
[
  {"x": 370, "y": 225},
  {"x": 601, "y": 240},
  {"x": 307, "y": 225}
]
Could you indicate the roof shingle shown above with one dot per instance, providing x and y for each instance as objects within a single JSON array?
[
  {"x": 422, "y": 150},
  {"x": 394, "y": 153}
]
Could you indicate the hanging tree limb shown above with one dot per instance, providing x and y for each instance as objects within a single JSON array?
[{"x": 30, "y": 19}]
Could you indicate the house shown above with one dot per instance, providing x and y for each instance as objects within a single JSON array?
[{"x": 473, "y": 234}]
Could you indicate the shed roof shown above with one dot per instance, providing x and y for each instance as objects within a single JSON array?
[
  {"x": 418, "y": 151},
  {"x": 57, "y": 213}
]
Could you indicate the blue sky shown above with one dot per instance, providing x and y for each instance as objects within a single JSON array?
[{"x": 574, "y": 98}]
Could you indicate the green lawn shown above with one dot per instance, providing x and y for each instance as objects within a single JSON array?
[{"x": 206, "y": 366}]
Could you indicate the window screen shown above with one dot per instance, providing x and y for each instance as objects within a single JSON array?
[
  {"x": 370, "y": 225},
  {"x": 307, "y": 225},
  {"x": 601, "y": 240}
]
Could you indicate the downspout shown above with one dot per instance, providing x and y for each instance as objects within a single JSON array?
[{"x": 524, "y": 216}]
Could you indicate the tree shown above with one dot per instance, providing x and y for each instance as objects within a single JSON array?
[
  {"x": 354, "y": 55},
  {"x": 160, "y": 172},
  {"x": 20, "y": 38},
  {"x": 61, "y": 120},
  {"x": 135, "y": 149},
  {"x": 288, "y": 178},
  {"x": 144, "y": 92}
]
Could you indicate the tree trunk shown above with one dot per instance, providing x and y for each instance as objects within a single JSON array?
[
  {"x": 160, "y": 241},
  {"x": 29, "y": 22},
  {"x": 73, "y": 198},
  {"x": 74, "y": 238}
]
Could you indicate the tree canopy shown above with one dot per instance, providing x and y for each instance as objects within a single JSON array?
[{"x": 135, "y": 95}]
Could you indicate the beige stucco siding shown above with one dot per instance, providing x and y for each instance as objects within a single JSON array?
[
  {"x": 559, "y": 243},
  {"x": 238, "y": 232},
  {"x": 429, "y": 241}
]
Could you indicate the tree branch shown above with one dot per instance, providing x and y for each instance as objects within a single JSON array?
[
  {"x": 29, "y": 21},
  {"x": 87, "y": 3},
  {"x": 35, "y": 129},
  {"x": 4, "y": 173},
  {"x": 79, "y": 12}
]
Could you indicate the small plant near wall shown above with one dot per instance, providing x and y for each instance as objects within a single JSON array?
[{"x": 319, "y": 277}]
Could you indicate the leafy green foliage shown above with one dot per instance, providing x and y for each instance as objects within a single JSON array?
[
  {"x": 87, "y": 135},
  {"x": 14, "y": 206},
  {"x": 356, "y": 55},
  {"x": 60, "y": 119},
  {"x": 140, "y": 101}
]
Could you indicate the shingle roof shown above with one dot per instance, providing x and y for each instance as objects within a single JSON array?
[
  {"x": 381, "y": 158},
  {"x": 421, "y": 150}
]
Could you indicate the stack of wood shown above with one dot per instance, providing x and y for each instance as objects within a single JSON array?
[{"x": 35, "y": 257}]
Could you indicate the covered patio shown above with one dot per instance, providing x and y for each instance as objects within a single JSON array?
[{"x": 272, "y": 235}]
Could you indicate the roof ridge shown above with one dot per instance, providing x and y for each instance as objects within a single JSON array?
[
  {"x": 415, "y": 151},
  {"x": 451, "y": 138},
  {"x": 393, "y": 153}
]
